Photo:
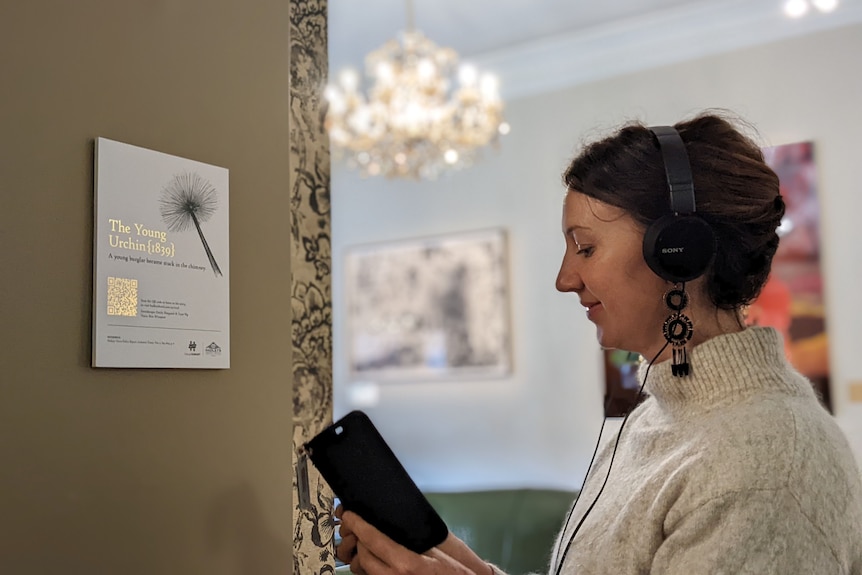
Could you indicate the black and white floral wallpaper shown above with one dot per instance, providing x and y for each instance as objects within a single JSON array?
[{"x": 311, "y": 295}]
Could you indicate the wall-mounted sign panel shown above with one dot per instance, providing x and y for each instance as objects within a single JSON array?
[{"x": 160, "y": 286}]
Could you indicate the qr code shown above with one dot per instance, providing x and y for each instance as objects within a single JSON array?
[{"x": 122, "y": 296}]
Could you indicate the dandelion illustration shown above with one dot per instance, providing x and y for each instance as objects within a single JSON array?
[{"x": 188, "y": 199}]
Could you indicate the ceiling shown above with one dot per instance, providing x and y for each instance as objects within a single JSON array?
[
  {"x": 538, "y": 45},
  {"x": 471, "y": 26}
]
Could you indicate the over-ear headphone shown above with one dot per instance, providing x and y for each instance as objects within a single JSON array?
[{"x": 679, "y": 246}]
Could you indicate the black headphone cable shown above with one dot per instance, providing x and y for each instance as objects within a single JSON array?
[{"x": 562, "y": 558}]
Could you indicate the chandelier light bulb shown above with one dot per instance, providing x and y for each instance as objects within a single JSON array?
[
  {"x": 335, "y": 98},
  {"x": 796, "y": 8},
  {"x": 425, "y": 69},
  {"x": 504, "y": 128},
  {"x": 451, "y": 156},
  {"x": 384, "y": 72},
  {"x": 825, "y": 5},
  {"x": 413, "y": 118},
  {"x": 489, "y": 86},
  {"x": 467, "y": 75},
  {"x": 349, "y": 79},
  {"x": 361, "y": 121}
]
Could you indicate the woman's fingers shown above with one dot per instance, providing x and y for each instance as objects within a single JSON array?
[
  {"x": 368, "y": 563},
  {"x": 370, "y": 537},
  {"x": 346, "y": 550},
  {"x": 377, "y": 554},
  {"x": 356, "y": 567},
  {"x": 460, "y": 552},
  {"x": 344, "y": 530}
]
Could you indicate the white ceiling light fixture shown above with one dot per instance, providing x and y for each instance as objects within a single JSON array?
[
  {"x": 799, "y": 8},
  {"x": 423, "y": 113},
  {"x": 796, "y": 8},
  {"x": 825, "y": 5}
]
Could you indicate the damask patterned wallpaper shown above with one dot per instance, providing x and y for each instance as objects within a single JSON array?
[{"x": 311, "y": 295}]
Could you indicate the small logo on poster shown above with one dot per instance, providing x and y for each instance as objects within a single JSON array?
[
  {"x": 213, "y": 350},
  {"x": 193, "y": 346}
]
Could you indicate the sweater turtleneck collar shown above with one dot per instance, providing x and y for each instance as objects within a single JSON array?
[{"x": 729, "y": 366}]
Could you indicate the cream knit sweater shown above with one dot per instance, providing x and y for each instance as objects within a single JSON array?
[{"x": 735, "y": 469}]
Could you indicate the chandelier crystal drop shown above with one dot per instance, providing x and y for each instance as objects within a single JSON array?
[{"x": 423, "y": 113}]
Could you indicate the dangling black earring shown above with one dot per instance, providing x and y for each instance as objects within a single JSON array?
[{"x": 678, "y": 329}]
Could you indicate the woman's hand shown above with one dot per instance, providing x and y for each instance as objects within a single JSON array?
[
  {"x": 345, "y": 551},
  {"x": 370, "y": 552}
]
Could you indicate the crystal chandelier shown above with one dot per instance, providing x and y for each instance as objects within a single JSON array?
[{"x": 423, "y": 113}]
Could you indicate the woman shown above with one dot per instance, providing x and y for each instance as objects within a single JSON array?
[{"x": 730, "y": 465}]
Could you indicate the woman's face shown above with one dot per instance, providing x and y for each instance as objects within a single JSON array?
[{"x": 604, "y": 266}]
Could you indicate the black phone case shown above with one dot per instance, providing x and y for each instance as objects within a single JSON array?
[{"x": 364, "y": 473}]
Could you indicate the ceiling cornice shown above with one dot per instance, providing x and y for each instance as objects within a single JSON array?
[{"x": 692, "y": 31}]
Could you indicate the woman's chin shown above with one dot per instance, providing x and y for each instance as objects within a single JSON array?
[{"x": 605, "y": 342}]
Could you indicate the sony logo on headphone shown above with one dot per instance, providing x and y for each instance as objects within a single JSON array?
[{"x": 672, "y": 250}]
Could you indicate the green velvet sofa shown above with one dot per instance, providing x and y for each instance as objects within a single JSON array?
[{"x": 513, "y": 528}]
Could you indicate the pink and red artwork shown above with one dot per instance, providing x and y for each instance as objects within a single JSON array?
[{"x": 792, "y": 300}]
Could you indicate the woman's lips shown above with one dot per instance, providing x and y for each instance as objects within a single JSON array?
[{"x": 592, "y": 308}]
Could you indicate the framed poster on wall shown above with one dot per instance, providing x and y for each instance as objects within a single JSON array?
[
  {"x": 161, "y": 260},
  {"x": 429, "y": 308}
]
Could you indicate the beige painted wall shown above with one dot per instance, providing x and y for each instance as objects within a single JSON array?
[{"x": 141, "y": 471}]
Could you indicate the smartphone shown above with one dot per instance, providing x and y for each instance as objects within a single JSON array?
[{"x": 365, "y": 475}]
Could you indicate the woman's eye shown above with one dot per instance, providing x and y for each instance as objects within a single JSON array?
[{"x": 586, "y": 251}]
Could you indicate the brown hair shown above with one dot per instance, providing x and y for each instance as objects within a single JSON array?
[{"x": 736, "y": 193}]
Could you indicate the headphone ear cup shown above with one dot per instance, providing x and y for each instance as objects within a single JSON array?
[{"x": 679, "y": 248}]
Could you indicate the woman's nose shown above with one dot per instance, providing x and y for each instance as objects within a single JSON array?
[{"x": 568, "y": 278}]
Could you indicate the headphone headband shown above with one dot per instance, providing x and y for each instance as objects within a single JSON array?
[{"x": 677, "y": 168}]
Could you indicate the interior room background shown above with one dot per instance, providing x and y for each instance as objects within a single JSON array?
[{"x": 537, "y": 426}]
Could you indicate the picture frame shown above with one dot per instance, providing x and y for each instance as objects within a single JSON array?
[{"x": 429, "y": 308}]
